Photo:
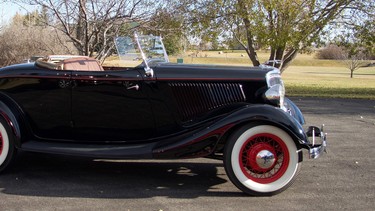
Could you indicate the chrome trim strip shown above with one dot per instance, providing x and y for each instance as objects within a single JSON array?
[{"x": 243, "y": 93}]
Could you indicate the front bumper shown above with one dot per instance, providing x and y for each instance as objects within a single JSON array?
[{"x": 316, "y": 147}]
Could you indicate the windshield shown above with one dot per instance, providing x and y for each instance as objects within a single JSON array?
[{"x": 141, "y": 48}]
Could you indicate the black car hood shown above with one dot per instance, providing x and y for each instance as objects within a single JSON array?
[{"x": 170, "y": 71}]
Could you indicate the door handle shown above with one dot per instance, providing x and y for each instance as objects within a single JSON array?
[{"x": 136, "y": 87}]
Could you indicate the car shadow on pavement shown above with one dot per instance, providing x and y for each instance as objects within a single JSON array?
[{"x": 37, "y": 174}]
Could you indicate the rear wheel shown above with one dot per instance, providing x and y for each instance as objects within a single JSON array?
[
  {"x": 261, "y": 160},
  {"x": 7, "y": 149}
]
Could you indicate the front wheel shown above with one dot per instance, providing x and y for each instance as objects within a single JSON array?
[{"x": 261, "y": 160}]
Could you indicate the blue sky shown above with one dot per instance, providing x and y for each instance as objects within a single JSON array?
[{"x": 8, "y": 10}]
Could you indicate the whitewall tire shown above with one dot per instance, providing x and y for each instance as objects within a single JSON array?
[
  {"x": 7, "y": 150},
  {"x": 261, "y": 159}
]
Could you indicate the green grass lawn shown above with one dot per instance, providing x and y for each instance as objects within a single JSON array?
[
  {"x": 320, "y": 81},
  {"x": 306, "y": 76}
]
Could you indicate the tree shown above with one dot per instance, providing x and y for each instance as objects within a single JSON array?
[
  {"x": 169, "y": 24},
  {"x": 91, "y": 25},
  {"x": 331, "y": 51},
  {"x": 354, "y": 61},
  {"x": 352, "y": 56},
  {"x": 20, "y": 40},
  {"x": 365, "y": 36},
  {"x": 285, "y": 26},
  {"x": 33, "y": 18},
  {"x": 354, "y": 53},
  {"x": 359, "y": 31}
]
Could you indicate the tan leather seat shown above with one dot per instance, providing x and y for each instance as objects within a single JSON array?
[{"x": 82, "y": 64}]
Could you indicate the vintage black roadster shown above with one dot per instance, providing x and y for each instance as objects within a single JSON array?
[{"x": 71, "y": 105}]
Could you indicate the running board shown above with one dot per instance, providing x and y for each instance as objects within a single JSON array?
[{"x": 108, "y": 151}]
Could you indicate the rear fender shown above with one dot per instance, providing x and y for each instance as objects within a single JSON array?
[{"x": 11, "y": 114}]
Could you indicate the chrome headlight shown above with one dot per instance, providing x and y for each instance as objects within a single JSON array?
[{"x": 276, "y": 89}]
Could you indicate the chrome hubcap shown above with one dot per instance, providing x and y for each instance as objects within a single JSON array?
[{"x": 265, "y": 159}]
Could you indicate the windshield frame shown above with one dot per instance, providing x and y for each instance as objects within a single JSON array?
[{"x": 148, "y": 47}]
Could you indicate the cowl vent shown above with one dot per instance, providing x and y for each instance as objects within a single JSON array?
[{"x": 198, "y": 98}]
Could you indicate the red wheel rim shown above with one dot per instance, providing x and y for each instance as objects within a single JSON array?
[{"x": 260, "y": 143}]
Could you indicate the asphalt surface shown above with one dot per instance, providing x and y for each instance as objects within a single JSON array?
[{"x": 343, "y": 179}]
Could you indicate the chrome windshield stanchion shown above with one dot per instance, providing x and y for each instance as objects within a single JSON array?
[
  {"x": 315, "y": 150},
  {"x": 149, "y": 71},
  {"x": 146, "y": 48}
]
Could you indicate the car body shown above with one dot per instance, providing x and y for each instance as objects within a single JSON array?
[{"x": 157, "y": 110}]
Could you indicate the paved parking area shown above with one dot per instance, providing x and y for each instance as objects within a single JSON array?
[{"x": 343, "y": 179}]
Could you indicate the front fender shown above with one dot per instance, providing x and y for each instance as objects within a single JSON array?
[
  {"x": 294, "y": 111},
  {"x": 269, "y": 115},
  {"x": 204, "y": 142}
]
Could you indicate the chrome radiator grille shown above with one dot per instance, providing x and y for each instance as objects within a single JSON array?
[{"x": 197, "y": 98}]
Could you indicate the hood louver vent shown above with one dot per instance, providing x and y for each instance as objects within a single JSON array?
[{"x": 197, "y": 98}]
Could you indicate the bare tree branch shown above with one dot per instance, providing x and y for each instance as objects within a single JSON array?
[{"x": 91, "y": 24}]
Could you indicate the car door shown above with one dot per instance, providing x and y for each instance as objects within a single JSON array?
[
  {"x": 110, "y": 106},
  {"x": 44, "y": 96}
]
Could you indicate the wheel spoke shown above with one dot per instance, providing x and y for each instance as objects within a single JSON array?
[{"x": 259, "y": 171}]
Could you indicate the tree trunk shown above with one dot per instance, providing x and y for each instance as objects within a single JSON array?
[
  {"x": 82, "y": 28},
  {"x": 250, "y": 44},
  {"x": 289, "y": 56},
  {"x": 250, "y": 50},
  {"x": 276, "y": 55},
  {"x": 272, "y": 54},
  {"x": 279, "y": 53}
]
